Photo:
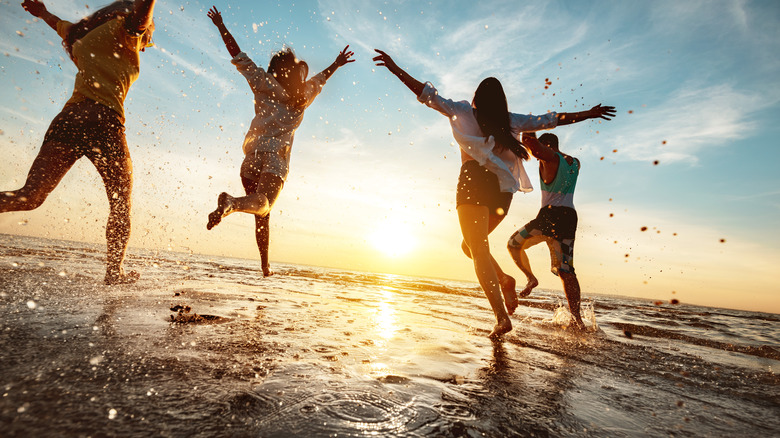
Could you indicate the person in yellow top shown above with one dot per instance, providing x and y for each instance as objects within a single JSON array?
[{"x": 105, "y": 47}]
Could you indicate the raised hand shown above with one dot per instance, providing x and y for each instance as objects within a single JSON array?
[
  {"x": 34, "y": 7},
  {"x": 215, "y": 15},
  {"x": 602, "y": 112},
  {"x": 344, "y": 57},
  {"x": 384, "y": 60}
]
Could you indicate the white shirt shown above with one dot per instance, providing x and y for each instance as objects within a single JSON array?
[
  {"x": 504, "y": 163},
  {"x": 276, "y": 119}
]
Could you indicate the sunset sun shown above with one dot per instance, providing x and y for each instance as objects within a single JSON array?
[{"x": 394, "y": 239}]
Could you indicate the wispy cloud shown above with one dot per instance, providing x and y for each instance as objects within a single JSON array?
[{"x": 692, "y": 119}]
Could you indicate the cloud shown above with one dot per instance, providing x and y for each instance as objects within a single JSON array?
[{"x": 690, "y": 120}]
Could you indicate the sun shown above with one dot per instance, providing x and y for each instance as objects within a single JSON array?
[{"x": 393, "y": 238}]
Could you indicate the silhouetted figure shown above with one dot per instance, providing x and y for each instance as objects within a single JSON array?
[
  {"x": 281, "y": 95},
  {"x": 556, "y": 222},
  {"x": 105, "y": 47}
]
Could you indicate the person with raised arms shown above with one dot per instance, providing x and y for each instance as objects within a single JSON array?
[
  {"x": 105, "y": 48},
  {"x": 492, "y": 170},
  {"x": 281, "y": 94}
]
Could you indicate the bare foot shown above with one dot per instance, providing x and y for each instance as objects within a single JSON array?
[
  {"x": 224, "y": 208},
  {"x": 122, "y": 278},
  {"x": 500, "y": 328},
  {"x": 532, "y": 283},
  {"x": 267, "y": 272},
  {"x": 510, "y": 296}
]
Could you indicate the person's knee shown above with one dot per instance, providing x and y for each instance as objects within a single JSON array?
[
  {"x": 24, "y": 200},
  {"x": 465, "y": 248},
  {"x": 515, "y": 242}
]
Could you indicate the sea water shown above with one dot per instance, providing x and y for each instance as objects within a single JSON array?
[{"x": 204, "y": 346}]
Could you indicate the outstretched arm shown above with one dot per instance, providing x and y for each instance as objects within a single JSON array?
[
  {"x": 597, "y": 112},
  {"x": 141, "y": 16},
  {"x": 38, "y": 9},
  {"x": 383, "y": 59},
  {"x": 342, "y": 59},
  {"x": 227, "y": 37}
]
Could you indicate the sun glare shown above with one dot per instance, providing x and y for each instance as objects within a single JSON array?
[{"x": 393, "y": 238}]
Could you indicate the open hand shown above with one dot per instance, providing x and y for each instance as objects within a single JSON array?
[
  {"x": 383, "y": 59},
  {"x": 602, "y": 112},
  {"x": 214, "y": 14},
  {"x": 34, "y": 7},
  {"x": 344, "y": 57}
]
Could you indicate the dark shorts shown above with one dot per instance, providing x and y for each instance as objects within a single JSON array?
[
  {"x": 88, "y": 129},
  {"x": 556, "y": 226},
  {"x": 479, "y": 186}
]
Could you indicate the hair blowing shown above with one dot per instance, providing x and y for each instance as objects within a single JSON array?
[
  {"x": 285, "y": 62},
  {"x": 86, "y": 24},
  {"x": 493, "y": 116}
]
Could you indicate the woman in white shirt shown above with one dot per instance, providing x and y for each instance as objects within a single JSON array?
[
  {"x": 281, "y": 95},
  {"x": 492, "y": 170}
]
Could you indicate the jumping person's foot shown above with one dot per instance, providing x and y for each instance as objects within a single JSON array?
[
  {"x": 121, "y": 278},
  {"x": 224, "y": 208},
  {"x": 532, "y": 283},
  {"x": 510, "y": 296},
  {"x": 500, "y": 328}
]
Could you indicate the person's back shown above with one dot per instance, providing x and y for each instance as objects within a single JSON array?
[{"x": 559, "y": 192}]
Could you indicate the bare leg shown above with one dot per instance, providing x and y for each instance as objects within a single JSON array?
[
  {"x": 253, "y": 203},
  {"x": 117, "y": 174},
  {"x": 572, "y": 288},
  {"x": 517, "y": 246},
  {"x": 262, "y": 235},
  {"x": 474, "y": 226},
  {"x": 52, "y": 163},
  {"x": 507, "y": 282},
  {"x": 269, "y": 185}
]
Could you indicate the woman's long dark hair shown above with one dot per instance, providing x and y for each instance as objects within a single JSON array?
[
  {"x": 493, "y": 116},
  {"x": 286, "y": 63},
  {"x": 86, "y": 24}
]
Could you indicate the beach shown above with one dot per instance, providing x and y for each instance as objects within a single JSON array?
[{"x": 205, "y": 346}]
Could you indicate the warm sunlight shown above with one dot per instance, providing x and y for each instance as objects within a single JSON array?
[{"x": 393, "y": 238}]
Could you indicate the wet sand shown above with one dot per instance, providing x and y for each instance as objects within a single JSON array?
[{"x": 306, "y": 353}]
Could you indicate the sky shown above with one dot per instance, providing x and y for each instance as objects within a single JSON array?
[{"x": 691, "y": 157}]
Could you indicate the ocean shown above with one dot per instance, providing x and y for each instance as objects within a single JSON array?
[{"x": 205, "y": 346}]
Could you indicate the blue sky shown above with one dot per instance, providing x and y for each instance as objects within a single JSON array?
[{"x": 695, "y": 85}]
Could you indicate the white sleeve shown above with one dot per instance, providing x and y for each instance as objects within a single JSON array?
[
  {"x": 529, "y": 123},
  {"x": 314, "y": 87},
  {"x": 430, "y": 98},
  {"x": 255, "y": 76}
]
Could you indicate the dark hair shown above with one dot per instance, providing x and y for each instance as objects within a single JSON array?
[
  {"x": 493, "y": 116},
  {"x": 550, "y": 140},
  {"x": 295, "y": 69},
  {"x": 101, "y": 16}
]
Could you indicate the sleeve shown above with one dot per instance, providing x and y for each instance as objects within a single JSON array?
[
  {"x": 256, "y": 76},
  {"x": 530, "y": 123},
  {"x": 63, "y": 27},
  {"x": 314, "y": 87},
  {"x": 430, "y": 98}
]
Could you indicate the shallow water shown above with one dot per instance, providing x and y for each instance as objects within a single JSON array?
[{"x": 315, "y": 351}]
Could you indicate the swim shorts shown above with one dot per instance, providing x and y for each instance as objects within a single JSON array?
[
  {"x": 556, "y": 226},
  {"x": 90, "y": 129},
  {"x": 479, "y": 186},
  {"x": 258, "y": 162}
]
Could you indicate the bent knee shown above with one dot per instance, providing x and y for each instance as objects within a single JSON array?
[
  {"x": 516, "y": 241},
  {"x": 23, "y": 200}
]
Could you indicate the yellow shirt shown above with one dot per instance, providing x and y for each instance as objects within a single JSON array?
[{"x": 108, "y": 63}]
